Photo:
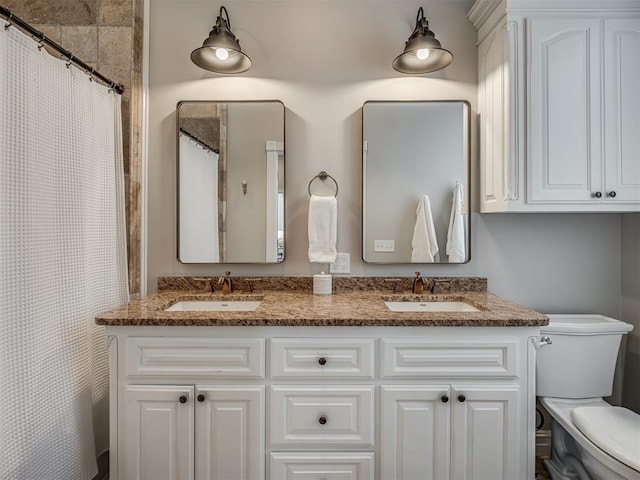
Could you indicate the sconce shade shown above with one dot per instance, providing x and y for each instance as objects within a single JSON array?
[
  {"x": 221, "y": 52},
  {"x": 422, "y": 53}
]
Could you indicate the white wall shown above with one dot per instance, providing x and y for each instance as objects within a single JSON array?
[{"x": 324, "y": 59}]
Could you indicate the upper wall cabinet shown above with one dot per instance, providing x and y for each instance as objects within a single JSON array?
[{"x": 559, "y": 105}]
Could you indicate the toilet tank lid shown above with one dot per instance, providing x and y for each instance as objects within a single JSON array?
[{"x": 584, "y": 324}]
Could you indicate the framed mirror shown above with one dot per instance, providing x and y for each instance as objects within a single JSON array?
[
  {"x": 230, "y": 172},
  {"x": 415, "y": 185}
]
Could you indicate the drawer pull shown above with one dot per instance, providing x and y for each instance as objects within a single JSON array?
[
  {"x": 461, "y": 398},
  {"x": 322, "y": 420},
  {"x": 597, "y": 195},
  {"x": 444, "y": 398},
  {"x": 611, "y": 194},
  {"x": 201, "y": 398},
  {"x": 182, "y": 399},
  {"x": 322, "y": 361}
]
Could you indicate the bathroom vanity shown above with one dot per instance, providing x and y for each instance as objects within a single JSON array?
[{"x": 329, "y": 387}]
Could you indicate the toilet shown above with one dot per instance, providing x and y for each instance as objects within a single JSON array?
[{"x": 591, "y": 439}]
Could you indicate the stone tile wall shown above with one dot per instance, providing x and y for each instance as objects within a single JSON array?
[{"x": 107, "y": 35}]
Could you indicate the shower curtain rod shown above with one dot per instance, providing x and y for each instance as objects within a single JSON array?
[
  {"x": 12, "y": 19},
  {"x": 199, "y": 142}
]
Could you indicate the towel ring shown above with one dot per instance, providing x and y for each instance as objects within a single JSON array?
[{"x": 323, "y": 176}]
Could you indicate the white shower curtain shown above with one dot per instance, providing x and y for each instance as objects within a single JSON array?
[
  {"x": 62, "y": 260},
  {"x": 198, "y": 203}
]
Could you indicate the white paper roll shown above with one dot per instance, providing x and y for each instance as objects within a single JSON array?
[{"x": 322, "y": 284}]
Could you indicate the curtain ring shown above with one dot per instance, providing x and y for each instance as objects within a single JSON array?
[
  {"x": 69, "y": 60},
  {"x": 8, "y": 24},
  {"x": 41, "y": 42}
]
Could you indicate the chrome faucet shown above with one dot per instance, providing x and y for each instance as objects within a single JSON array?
[
  {"x": 227, "y": 284},
  {"x": 418, "y": 284}
]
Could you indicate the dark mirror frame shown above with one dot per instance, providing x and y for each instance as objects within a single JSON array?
[
  {"x": 225, "y": 148},
  {"x": 404, "y": 210}
]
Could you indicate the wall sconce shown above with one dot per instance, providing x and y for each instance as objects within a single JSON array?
[
  {"x": 422, "y": 52},
  {"x": 244, "y": 187},
  {"x": 221, "y": 52}
]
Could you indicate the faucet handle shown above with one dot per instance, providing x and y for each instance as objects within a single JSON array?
[
  {"x": 437, "y": 283},
  {"x": 250, "y": 282},
  {"x": 207, "y": 281},
  {"x": 394, "y": 281}
]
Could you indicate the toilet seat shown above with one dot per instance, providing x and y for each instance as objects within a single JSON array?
[
  {"x": 560, "y": 409},
  {"x": 615, "y": 430}
]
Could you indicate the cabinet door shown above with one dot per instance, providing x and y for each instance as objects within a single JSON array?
[
  {"x": 414, "y": 439},
  {"x": 229, "y": 432},
  {"x": 622, "y": 110},
  {"x": 158, "y": 432},
  {"x": 497, "y": 159},
  {"x": 565, "y": 161},
  {"x": 485, "y": 433}
]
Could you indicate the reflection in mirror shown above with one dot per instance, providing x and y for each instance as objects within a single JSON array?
[
  {"x": 415, "y": 187},
  {"x": 230, "y": 182}
]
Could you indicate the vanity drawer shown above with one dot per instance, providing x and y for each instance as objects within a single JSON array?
[
  {"x": 321, "y": 358},
  {"x": 449, "y": 358},
  {"x": 326, "y": 466},
  {"x": 210, "y": 357},
  {"x": 325, "y": 416}
]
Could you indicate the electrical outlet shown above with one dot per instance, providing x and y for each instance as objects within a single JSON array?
[
  {"x": 342, "y": 264},
  {"x": 384, "y": 246}
]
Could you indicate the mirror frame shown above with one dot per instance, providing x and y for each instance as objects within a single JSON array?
[
  {"x": 177, "y": 225},
  {"x": 466, "y": 185}
]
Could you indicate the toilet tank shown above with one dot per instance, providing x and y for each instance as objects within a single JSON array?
[{"x": 581, "y": 360}]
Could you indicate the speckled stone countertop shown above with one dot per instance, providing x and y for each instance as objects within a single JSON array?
[{"x": 350, "y": 305}]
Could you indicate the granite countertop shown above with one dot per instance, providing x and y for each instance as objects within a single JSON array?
[{"x": 300, "y": 307}]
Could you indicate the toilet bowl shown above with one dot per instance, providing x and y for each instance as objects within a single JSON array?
[{"x": 591, "y": 439}]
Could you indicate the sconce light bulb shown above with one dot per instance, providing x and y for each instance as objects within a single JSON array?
[
  {"x": 222, "y": 53},
  {"x": 422, "y": 53}
]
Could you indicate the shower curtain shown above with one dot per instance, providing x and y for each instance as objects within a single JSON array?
[
  {"x": 62, "y": 261},
  {"x": 198, "y": 203}
]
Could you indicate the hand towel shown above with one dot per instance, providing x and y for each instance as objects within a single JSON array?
[
  {"x": 456, "y": 245},
  {"x": 424, "y": 243},
  {"x": 323, "y": 220}
]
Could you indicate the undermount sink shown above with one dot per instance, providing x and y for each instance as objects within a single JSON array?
[
  {"x": 214, "y": 306},
  {"x": 430, "y": 306}
]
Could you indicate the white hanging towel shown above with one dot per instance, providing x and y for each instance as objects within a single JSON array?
[
  {"x": 456, "y": 246},
  {"x": 424, "y": 243},
  {"x": 323, "y": 228}
]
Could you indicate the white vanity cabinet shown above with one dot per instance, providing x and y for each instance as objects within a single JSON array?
[
  {"x": 559, "y": 105},
  {"x": 466, "y": 429},
  {"x": 185, "y": 408},
  {"x": 176, "y": 431},
  {"x": 332, "y": 403}
]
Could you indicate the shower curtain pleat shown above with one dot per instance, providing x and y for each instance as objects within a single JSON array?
[{"x": 62, "y": 261}]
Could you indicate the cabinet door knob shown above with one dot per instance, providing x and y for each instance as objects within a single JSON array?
[
  {"x": 182, "y": 399},
  {"x": 444, "y": 398},
  {"x": 461, "y": 398},
  {"x": 322, "y": 361},
  {"x": 612, "y": 194},
  {"x": 597, "y": 195},
  {"x": 201, "y": 398},
  {"x": 322, "y": 420}
]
